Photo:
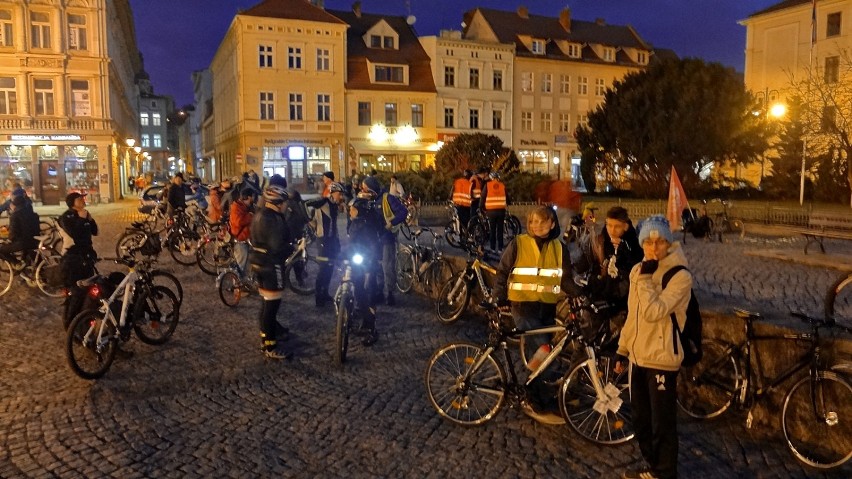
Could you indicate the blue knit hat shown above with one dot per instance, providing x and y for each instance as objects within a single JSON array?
[
  {"x": 656, "y": 226},
  {"x": 372, "y": 184}
]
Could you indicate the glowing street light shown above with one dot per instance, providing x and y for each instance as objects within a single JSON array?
[{"x": 558, "y": 170}]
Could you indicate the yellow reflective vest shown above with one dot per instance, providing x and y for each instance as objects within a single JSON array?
[{"x": 537, "y": 275}]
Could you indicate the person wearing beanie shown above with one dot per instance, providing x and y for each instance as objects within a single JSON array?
[
  {"x": 76, "y": 226},
  {"x": 327, "y": 180},
  {"x": 652, "y": 347},
  {"x": 365, "y": 230},
  {"x": 394, "y": 213}
]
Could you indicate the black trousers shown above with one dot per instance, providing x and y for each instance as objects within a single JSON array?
[
  {"x": 653, "y": 397},
  {"x": 495, "y": 220},
  {"x": 329, "y": 250}
]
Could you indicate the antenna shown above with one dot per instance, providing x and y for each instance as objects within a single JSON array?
[{"x": 410, "y": 19}]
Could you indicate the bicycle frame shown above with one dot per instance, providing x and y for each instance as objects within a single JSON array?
[
  {"x": 126, "y": 288},
  {"x": 474, "y": 271}
]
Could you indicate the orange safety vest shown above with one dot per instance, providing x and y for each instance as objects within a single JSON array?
[
  {"x": 476, "y": 187},
  {"x": 461, "y": 192},
  {"x": 495, "y": 198}
]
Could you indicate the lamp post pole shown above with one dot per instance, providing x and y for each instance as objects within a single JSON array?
[{"x": 558, "y": 170}]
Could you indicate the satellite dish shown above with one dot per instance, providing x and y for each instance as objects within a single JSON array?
[
  {"x": 463, "y": 24},
  {"x": 410, "y": 19}
]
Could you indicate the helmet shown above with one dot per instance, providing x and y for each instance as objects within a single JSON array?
[
  {"x": 335, "y": 187},
  {"x": 275, "y": 194},
  {"x": 372, "y": 184},
  {"x": 494, "y": 175}
]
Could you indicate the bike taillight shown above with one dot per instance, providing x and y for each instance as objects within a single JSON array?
[{"x": 95, "y": 291}]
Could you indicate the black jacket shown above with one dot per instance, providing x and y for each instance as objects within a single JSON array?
[
  {"x": 79, "y": 230},
  {"x": 177, "y": 198},
  {"x": 23, "y": 226},
  {"x": 595, "y": 260},
  {"x": 270, "y": 238}
]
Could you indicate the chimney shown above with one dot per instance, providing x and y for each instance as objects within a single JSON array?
[
  {"x": 356, "y": 7},
  {"x": 600, "y": 21},
  {"x": 565, "y": 19},
  {"x": 523, "y": 12}
]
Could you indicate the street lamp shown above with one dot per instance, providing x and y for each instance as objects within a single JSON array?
[
  {"x": 558, "y": 170},
  {"x": 775, "y": 111}
]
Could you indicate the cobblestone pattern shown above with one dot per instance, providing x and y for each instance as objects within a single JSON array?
[{"x": 206, "y": 403}]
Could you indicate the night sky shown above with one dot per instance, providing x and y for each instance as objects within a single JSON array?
[{"x": 178, "y": 37}]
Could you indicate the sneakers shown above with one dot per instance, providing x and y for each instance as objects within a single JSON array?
[
  {"x": 644, "y": 473},
  {"x": 276, "y": 354},
  {"x": 548, "y": 418}
]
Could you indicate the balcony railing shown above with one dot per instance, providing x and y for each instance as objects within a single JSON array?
[{"x": 53, "y": 124}]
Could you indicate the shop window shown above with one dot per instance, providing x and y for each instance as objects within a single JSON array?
[
  {"x": 8, "y": 96},
  {"x": 80, "y": 104},
  {"x": 81, "y": 168},
  {"x": 16, "y": 166}
]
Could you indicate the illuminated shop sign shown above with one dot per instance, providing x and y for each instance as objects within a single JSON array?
[{"x": 45, "y": 137}]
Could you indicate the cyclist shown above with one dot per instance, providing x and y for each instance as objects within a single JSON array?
[
  {"x": 652, "y": 346},
  {"x": 76, "y": 226},
  {"x": 460, "y": 197},
  {"x": 365, "y": 230},
  {"x": 216, "y": 195},
  {"x": 394, "y": 213},
  {"x": 396, "y": 188},
  {"x": 476, "y": 189},
  {"x": 325, "y": 217},
  {"x": 327, "y": 180},
  {"x": 270, "y": 239},
  {"x": 239, "y": 223},
  {"x": 494, "y": 204},
  {"x": 23, "y": 227},
  {"x": 17, "y": 190},
  {"x": 175, "y": 197}
]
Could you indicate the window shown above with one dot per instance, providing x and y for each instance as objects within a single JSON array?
[
  {"x": 564, "y": 123},
  {"x": 474, "y": 118},
  {"x": 609, "y": 54},
  {"x": 474, "y": 77},
  {"x": 43, "y": 97},
  {"x": 375, "y": 41},
  {"x": 526, "y": 121},
  {"x": 526, "y": 81},
  {"x": 8, "y": 96},
  {"x": 80, "y": 104},
  {"x": 146, "y": 141},
  {"x": 156, "y": 119},
  {"x": 574, "y": 50},
  {"x": 267, "y": 105},
  {"x": 389, "y": 74},
  {"x": 158, "y": 140},
  {"x": 564, "y": 84},
  {"x": 143, "y": 119},
  {"x": 449, "y": 117},
  {"x": 584, "y": 120},
  {"x": 449, "y": 76},
  {"x": 417, "y": 115},
  {"x": 323, "y": 107},
  {"x": 832, "y": 25},
  {"x": 296, "y": 107},
  {"x": 582, "y": 85},
  {"x": 538, "y": 47},
  {"x": 546, "y": 122},
  {"x": 323, "y": 60},
  {"x": 828, "y": 122},
  {"x": 390, "y": 114},
  {"x": 600, "y": 87},
  {"x": 546, "y": 82},
  {"x": 40, "y": 30},
  {"x": 77, "y": 32},
  {"x": 6, "y": 37},
  {"x": 497, "y": 82},
  {"x": 365, "y": 117},
  {"x": 642, "y": 58},
  {"x": 497, "y": 120},
  {"x": 294, "y": 58},
  {"x": 832, "y": 69},
  {"x": 264, "y": 53},
  {"x": 387, "y": 42}
]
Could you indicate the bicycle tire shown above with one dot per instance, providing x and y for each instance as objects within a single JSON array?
[
  {"x": 170, "y": 281},
  {"x": 453, "y": 239},
  {"x": 156, "y": 313},
  {"x": 183, "y": 249},
  {"x": 51, "y": 261},
  {"x": 708, "y": 388},
  {"x": 129, "y": 243},
  {"x": 471, "y": 402},
  {"x": 439, "y": 273},
  {"x": 580, "y": 406},
  {"x": 230, "y": 289},
  {"x": 301, "y": 275},
  {"x": 511, "y": 228},
  {"x": 6, "y": 276},
  {"x": 838, "y": 304},
  {"x": 345, "y": 307},
  {"x": 90, "y": 358},
  {"x": 478, "y": 230},
  {"x": 452, "y": 300},
  {"x": 405, "y": 269},
  {"x": 213, "y": 255},
  {"x": 815, "y": 419}
]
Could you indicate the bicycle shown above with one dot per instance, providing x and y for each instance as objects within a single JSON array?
[
  {"x": 454, "y": 232},
  {"x": 454, "y": 296},
  {"x": 215, "y": 249},
  {"x": 344, "y": 308},
  {"x": 723, "y": 224},
  {"x": 93, "y": 335},
  {"x": 816, "y": 415},
  {"x": 413, "y": 216},
  {"x": 424, "y": 265},
  {"x": 41, "y": 263},
  {"x": 468, "y": 384},
  {"x": 479, "y": 227},
  {"x": 838, "y": 300}
]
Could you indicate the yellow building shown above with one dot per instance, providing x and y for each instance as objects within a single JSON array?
[
  {"x": 278, "y": 97},
  {"x": 67, "y": 96},
  {"x": 390, "y": 95},
  {"x": 562, "y": 68}
]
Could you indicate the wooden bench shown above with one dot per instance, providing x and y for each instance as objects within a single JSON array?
[{"x": 821, "y": 227}]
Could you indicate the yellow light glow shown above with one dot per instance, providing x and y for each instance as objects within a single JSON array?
[
  {"x": 378, "y": 133},
  {"x": 405, "y": 135},
  {"x": 778, "y": 110},
  {"x": 130, "y": 142}
]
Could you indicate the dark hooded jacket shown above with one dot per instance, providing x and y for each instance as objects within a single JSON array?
[{"x": 595, "y": 261}]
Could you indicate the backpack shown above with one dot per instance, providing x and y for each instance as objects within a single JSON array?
[
  {"x": 296, "y": 215},
  {"x": 690, "y": 337}
]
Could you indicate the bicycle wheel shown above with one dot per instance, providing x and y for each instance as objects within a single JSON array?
[
  {"x": 47, "y": 264},
  {"x": 170, "y": 281},
  {"x": 438, "y": 274},
  {"x": 230, "y": 290},
  {"x": 511, "y": 228},
  {"x": 155, "y": 315},
  {"x": 129, "y": 243},
  {"x": 707, "y": 389},
  {"x": 453, "y": 238},
  {"x": 607, "y": 420},
  {"x": 452, "y": 299},
  {"x": 6, "y": 276},
  {"x": 405, "y": 269},
  {"x": 817, "y": 420},
  {"x": 838, "y": 301},
  {"x": 344, "y": 326},
  {"x": 465, "y": 397},
  {"x": 89, "y": 350},
  {"x": 478, "y": 230},
  {"x": 301, "y": 275},
  {"x": 183, "y": 247},
  {"x": 213, "y": 255}
]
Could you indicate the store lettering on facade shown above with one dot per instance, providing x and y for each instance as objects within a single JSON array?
[{"x": 45, "y": 137}]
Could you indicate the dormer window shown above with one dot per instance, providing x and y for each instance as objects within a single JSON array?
[
  {"x": 642, "y": 58},
  {"x": 380, "y": 41},
  {"x": 538, "y": 47},
  {"x": 574, "y": 50},
  {"x": 609, "y": 54},
  {"x": 389, "y": 74}
]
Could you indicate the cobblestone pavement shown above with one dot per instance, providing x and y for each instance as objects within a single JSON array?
[{"x": 206, "y": 403}]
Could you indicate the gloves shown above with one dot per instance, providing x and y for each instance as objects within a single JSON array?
[{"x": 648, "y": 266}]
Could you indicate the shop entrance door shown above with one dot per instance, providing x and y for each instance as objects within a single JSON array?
[{"x": 50, "y": 193}]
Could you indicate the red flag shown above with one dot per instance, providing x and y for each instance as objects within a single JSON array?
[{"x": 677, "y": 201}]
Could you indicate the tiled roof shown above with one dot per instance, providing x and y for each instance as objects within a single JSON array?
[
  {"x": 292, "y": 10},
  {"x": 780, "y": 6},
  {"x": 410, "y": 52}
]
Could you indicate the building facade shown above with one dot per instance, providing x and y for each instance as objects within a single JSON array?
[
  {"x": 67, "y": 97},
  {"x": 278, "y": 95},
  {"x": 474, "y": 84},
  {"x": 562, "y": 68},
  {"x": 202, "y": 88}
]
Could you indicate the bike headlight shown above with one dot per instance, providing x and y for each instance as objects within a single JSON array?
[
  {"x": 357, "y": 259},
  {"x": 554, "y": 207}
]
